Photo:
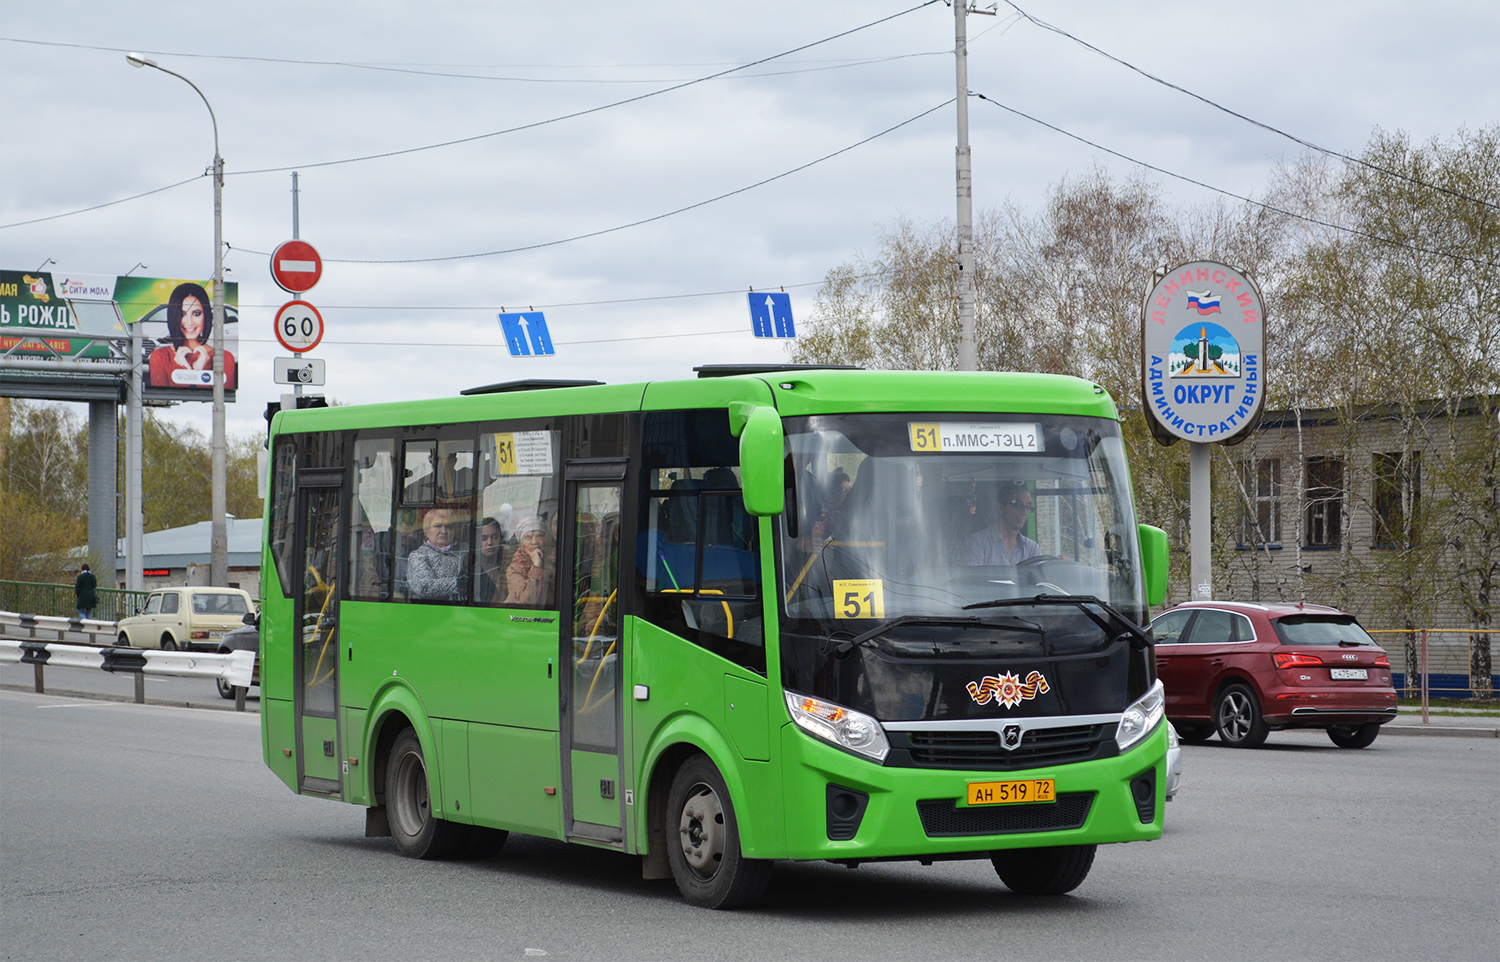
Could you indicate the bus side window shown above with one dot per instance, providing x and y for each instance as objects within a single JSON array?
[
  {"x": 371, "y": 539},
  {"x": 517, "y": 515},
  {"x": 697, "y": 559}
]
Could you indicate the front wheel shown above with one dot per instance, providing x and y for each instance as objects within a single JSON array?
[
  {"x": 1354, "y": 736},
  {"x": 168, "y": 643},
  {"x": 703, "y": 841},
  {"x": 417, "y": 832},
  {"x": 1237, "y": 716},
  {"x": 1193, "y": 734},
  {"x": 1044, "y": 871}
]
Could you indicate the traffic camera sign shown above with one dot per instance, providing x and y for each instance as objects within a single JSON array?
[
  {"x": 299, "y": 326},
  {"x": 296, "y": 266}
]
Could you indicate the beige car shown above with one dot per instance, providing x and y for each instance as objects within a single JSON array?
[{"x": 186, "y": 619}]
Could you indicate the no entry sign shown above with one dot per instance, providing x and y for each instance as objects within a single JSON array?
[{"x": 296, "y": 266}]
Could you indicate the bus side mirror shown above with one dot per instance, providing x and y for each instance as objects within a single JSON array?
[
  {"x": 1154, "y": 563},
  {"x": 761, "y": 454}
]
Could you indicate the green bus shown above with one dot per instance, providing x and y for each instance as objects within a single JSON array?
[{"x": 770, "y": 613}]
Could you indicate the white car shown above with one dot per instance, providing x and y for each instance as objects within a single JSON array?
[{"x": 186, "y": 619}]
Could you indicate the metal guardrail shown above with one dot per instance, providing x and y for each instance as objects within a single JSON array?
[
  {"x": 236, "y": 668},
  {"x": 54, "y": 600}
]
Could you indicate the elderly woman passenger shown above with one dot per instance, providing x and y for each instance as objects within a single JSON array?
[{"x": 433, "y": 570}]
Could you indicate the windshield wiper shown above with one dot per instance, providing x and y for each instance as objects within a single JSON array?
[
  {"x": 1082, "y": 602},
  {"x": 846, "y": 645}
]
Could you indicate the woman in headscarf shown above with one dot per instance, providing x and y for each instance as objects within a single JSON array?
[{"x": 529, "y": 576}]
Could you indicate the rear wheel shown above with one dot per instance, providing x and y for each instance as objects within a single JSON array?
[
  {"x": 1193, "y": 734},
  {"x": 703, "y": 841},
  {"x": 417, "y": 832},
  {"x": 168, "y": 643},
  {"x": 1044, "y": 871},
  {"x": 1354, "y": 736},
  {"x": 1237, "y": 715}
]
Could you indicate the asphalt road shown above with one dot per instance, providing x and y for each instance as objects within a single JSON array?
[{"x": 148, "y": 832}]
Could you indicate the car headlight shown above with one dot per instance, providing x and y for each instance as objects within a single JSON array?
[
  {"x": 848, "y": 729},
  {"x": 1141, "y": 717}
]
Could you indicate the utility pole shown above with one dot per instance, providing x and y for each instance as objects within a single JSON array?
[{"x": 968, "y": 352}]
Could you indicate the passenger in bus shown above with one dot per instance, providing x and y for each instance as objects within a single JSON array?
[
  {"x": 491, "y": 562},
  {"x": 433, "y": 570},
  {"x": 528, "y": 578},
  {"x": 1003, "y": 543}
]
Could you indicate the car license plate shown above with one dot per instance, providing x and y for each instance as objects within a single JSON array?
[
  {"x": 1010, "y": 793},
  {"x": 1348, "y": 674}
]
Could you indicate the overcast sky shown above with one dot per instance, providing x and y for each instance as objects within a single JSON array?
[{"x": 299, "y": 85}]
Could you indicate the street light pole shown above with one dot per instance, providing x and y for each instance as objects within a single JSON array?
[{"x": 219, "y": 547}]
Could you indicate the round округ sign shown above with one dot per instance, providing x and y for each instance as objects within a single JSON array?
[{"x": 1203, "y": 339}]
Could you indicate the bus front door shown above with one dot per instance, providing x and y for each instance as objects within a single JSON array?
[
  {"x": 593, "y": 805},
  {"x": 317, "y": 650}
]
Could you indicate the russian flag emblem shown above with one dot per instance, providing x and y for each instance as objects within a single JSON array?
[{"x": 1204, "y": 303}]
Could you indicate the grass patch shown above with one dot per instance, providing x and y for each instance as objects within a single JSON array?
[{"x": 1469, "y": 706}]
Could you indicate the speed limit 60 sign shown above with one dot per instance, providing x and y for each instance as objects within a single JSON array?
[{"x": 299, "y": 326}]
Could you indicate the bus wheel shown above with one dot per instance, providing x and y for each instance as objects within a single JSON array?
[
  {"x": 416, "y": 831},
  {"x": 1044, "y": 871},
  {"x": 703, "y": 841}
]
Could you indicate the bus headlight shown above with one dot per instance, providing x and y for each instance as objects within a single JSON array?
[
  {"x": 1141, "y": 717},
  {"x": 837, "y": 725}
]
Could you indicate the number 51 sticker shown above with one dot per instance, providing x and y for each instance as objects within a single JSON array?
[{"x": 859, "y": 599}]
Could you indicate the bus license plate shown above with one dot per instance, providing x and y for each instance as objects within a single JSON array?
[
  {"x": 1010, "y": 793},
  {"x": 1349, "y": 674}
]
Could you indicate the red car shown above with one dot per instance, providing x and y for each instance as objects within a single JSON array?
[{"x": 1243, "y": 669}]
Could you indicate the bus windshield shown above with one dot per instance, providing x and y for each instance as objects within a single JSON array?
[{"x": 895, "y": 515}]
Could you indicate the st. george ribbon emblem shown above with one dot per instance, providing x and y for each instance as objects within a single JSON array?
[{"x": 1007, "y": 689}]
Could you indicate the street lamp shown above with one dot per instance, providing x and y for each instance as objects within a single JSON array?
[{"x": 219, "y": 549}]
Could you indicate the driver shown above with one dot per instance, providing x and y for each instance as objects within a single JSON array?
[{"x": 1003, "y": 543}]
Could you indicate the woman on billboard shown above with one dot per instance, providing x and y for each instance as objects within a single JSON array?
[{"x": 187, "y": 359}]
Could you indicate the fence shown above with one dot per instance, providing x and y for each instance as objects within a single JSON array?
[
  {"x": 59, "y": 601},
  {"x": 236, "y": 668},
  {"x": 1440, "y": 662}
]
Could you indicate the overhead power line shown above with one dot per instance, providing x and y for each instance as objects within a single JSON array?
[
  {"x": 636, "y": 223},
  {"x": 108, "y": 203},
  {"x": 1240, "y": 197},
  {"x": 589, "y": 110},
  {"x": 1251, "y": 120}
]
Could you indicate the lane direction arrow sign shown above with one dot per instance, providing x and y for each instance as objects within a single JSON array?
[
  {"x": 771, "y": 315},
  {"x": 526, "y": 334},
  {"x": 296, "y": 266}
]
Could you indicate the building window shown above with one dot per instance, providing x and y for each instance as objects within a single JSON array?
[
  {"x": 1325, "y": 503},
  {"x": 1398, "y": 490},
  {"x": 1261, "y": 515}
]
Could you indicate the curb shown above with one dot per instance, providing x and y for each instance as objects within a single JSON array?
[{"x": 1435, "y": 730}]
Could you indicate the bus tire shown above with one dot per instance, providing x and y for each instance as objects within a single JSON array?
[
  {"x": 1044, "y": 871},
  {"x": 703, "y": 841},
  {"x": 415, "y": 830}
]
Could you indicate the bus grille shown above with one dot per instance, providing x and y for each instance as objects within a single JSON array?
[
  {"x": 943, "y": 817},
  {"x": 981, "y": 749}
]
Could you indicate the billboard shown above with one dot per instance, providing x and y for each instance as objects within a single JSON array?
[{"x": 82, "y": 316}]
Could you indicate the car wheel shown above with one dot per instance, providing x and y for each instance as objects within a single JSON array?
[
  {"x": 706, "y": 861},
  {"x": 1193, "y": 734},
  {"x": 1238, "y": 719},
  {"x": 168, "y": 643},
  {"x": 408, "y": 803},
  {"x": 1044, "y": 871},
  {"x": 1354, "y": 736},
  {"x": 226, "y": 690},
  {"x": 123, "y": 641}
]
